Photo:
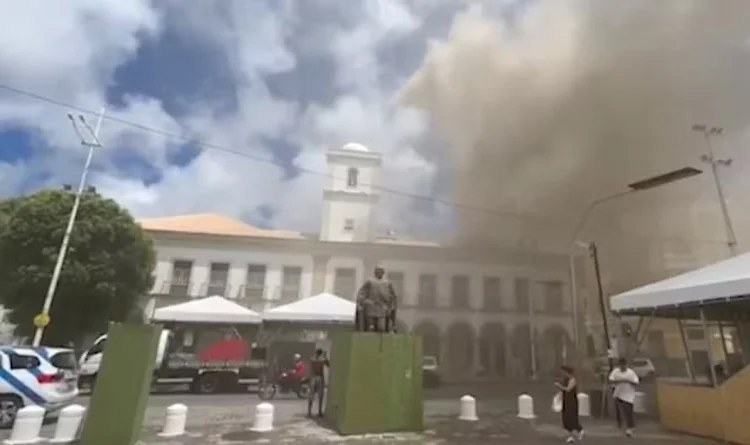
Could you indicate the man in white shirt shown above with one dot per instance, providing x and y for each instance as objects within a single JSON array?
[{"x": 625, "y": 381}]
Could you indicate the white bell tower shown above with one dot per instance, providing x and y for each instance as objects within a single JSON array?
[{"x": 349, "y": 198}]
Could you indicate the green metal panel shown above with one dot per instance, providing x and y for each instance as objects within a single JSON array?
[
  {"x": 118, "y": 403},
  {"x": 379, "y": 388}
]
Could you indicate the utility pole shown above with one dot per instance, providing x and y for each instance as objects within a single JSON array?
[
  {"x": 710, "y": 159},
  {"x": 594, "y": 251},
  {"x": 42, "y": 320}
]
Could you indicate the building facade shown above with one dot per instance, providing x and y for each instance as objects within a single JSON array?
[{"x": 486, "y": 311}]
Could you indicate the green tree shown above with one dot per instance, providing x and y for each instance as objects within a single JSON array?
[{"x": 107, "y": 270}]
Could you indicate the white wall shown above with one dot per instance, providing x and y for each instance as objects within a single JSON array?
[
  {"x": 443, "y": 315},
  {"x": 337, "y": 208},
  {"x": 338, "y": 170},
  {"x": 239, "y": 261}
]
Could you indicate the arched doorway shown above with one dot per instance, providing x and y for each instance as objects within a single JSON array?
[
  {"x": 556, "y": 349},
  {"x": 521, "y": 352},
  {"x": 492, "y": 354},
  {"x": 460, "y": 354},
  {"x": 430, "y": 334}
]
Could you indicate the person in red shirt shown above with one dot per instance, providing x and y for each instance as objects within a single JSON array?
[{"x": 299, "y": 367}]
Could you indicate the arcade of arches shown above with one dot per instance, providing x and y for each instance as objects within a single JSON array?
[{"x": 494, "y": 351}]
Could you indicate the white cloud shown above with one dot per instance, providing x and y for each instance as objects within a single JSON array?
[{"x": 70, "y": 53}]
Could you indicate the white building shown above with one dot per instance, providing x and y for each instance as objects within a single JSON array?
[{"x": 473, "y": 306}]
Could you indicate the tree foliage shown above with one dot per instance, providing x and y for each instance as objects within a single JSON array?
[{"x": 107, "y": 270}]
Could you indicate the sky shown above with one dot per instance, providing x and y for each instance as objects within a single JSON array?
[
  {"x": 486, "y": 112},
  {"x": 235, "y": 103}
]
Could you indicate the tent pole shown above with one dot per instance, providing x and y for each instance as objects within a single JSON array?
[
  {"x": 644, "y": 329},
  {"x": 723, "y": 343},
  {"x": 691, "y": 369},
  {"x": 708, "y": 346}
]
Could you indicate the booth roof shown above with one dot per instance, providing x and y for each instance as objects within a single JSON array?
[
  {"x": 722, "y": 281},
  {"x": 322, "y": 308},
  {"x": 214, "y": 309}
]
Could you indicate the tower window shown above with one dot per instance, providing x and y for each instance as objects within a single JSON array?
[
  {"x": 352, "y": 177},
  {"x": 349, "y": 224}
]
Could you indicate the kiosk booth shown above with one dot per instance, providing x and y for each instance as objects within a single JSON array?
[{"x": 713, "y": 400}]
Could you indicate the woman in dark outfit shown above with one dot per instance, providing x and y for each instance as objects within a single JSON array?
[{"x": 569, "y": 390}]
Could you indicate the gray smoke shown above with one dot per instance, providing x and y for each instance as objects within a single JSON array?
[{"x": 577, "y": 99}]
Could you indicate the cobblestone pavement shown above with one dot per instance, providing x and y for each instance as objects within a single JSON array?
[
  {"x": 227, "y": 419},
  {"x": 439, "y": 429}
]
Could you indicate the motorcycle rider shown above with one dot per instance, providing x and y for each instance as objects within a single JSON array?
[{"x": 299, "y": 372}]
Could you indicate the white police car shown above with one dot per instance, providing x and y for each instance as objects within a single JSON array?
[{"x": 42, "y": 376}]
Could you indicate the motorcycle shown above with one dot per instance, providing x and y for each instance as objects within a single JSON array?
[{"x": 286, "y": 383}]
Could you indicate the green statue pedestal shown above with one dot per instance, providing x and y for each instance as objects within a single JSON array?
[{"x": 375, "y": 383}]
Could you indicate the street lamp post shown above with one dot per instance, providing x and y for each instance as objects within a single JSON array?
[
  {"x": 645, "y": 184},
  {"x": 710, "y": 159},
  {"x": 44, "y": 315}
]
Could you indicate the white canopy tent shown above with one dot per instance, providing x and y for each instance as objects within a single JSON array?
[
  {"x": 321, "y": 308},
  {"x": 722, "y": 281},
  {"x": 214, "y": 309}
]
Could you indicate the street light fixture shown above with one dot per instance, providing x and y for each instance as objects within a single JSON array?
[
  {"x": 709, "y": 158},
  {"x": 638, "y": 186}
]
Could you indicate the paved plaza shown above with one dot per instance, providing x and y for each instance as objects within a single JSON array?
[{"x": 226, "y": 420}]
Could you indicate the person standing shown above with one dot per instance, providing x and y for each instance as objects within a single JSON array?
[
  {"x": 376, "y": 299},
  {"x": 625, "y": 381},
  {"x": 570, "y": 417},
  {"x": 318, "y": 363}
]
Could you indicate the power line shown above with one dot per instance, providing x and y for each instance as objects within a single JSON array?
[{"x": 210, "y": 146}]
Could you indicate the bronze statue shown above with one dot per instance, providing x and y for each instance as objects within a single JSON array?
[{"x": 376, "y": 304}]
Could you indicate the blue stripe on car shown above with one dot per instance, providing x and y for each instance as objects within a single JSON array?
[{"x": 21, "y": 387}]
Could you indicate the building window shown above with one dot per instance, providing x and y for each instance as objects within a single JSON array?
[
  {"x": 352, "y": 177},
  {"x": 695, "y": 334},
  {"x": 492, "y": 294},
  {"x": 427, "y": 290},
  {"x": 180, "y": 283},
  {"x": 345, "y": 282},
  {"x": 291, "y": 280},
  {"x": 553, "y": 298},
  {"x": 217, "y": 279},
  {"x": 349, "y": 224},
  {"x": 522, "y": 294},
  {"x": 460, "y": 292},
  {"x": 255, "y": 282},
  {"x": 397, "y": 281}
]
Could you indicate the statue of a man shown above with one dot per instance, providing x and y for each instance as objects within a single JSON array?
[{"x": 377, "y": 303}]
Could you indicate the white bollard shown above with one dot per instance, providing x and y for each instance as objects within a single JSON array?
[
  {"x": 263, "y": 418},
  {"x": 26, "y": 428},
  {"x": 526, "y": 407},
  {"x": 175, "y": 420},
  {"x": 468, "y": 409},
  {"x": 68, "y": 424},
  {"x": 584, "y": 405}
]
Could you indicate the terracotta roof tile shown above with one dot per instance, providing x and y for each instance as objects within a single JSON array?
[{"x": 210, "y": 224}]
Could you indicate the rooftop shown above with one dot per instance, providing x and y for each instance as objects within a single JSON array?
[
  {"x": 211, "y": 224},
  {"x": 355, "y": 147}
]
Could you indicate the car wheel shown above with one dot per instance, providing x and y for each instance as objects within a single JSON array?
[
  {"x": 9, "y": 406},
  {"x": 207, "y": 384}
]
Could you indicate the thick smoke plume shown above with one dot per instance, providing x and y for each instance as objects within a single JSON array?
[{"x": 579, "y": 98}]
